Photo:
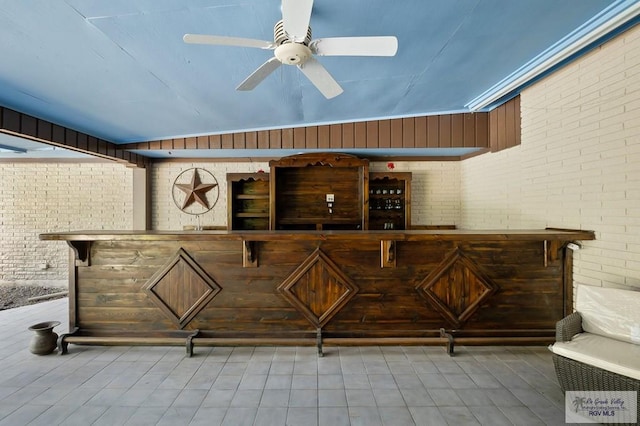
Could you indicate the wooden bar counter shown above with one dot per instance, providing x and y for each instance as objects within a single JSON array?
[{"x": 317, "y": 287}]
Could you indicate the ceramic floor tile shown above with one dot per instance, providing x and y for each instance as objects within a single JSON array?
[
  {"x": 208, "y": 416},
  {"x": 459, "y": 416},
  {"x": 396, "y": 416},
  {"x": 333, "y": 416},
  {"x": 246, "y": 398},
  {"x": 23, "y": 415},
  {"x": 270, "y": 416},
  {"x": 299, "y": 416},
  {"x": 278, "y": 381},
  {"x": 275, "y": 398},
  {"x": 303, "y": 398},
  {"x": 360, "y": 397},
  {"x": 364, "y": 416},
  {"x": 427, "y": 416},
  {"x": 245, "y": 385},
  {"x": 239, "y": 416}
]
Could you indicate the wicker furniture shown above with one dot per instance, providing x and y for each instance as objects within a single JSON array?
[{"x": 578, "y": 375}]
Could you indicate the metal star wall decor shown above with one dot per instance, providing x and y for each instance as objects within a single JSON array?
[{"x": 195, "y": 190}]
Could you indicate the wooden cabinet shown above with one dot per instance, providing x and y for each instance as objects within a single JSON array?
[
  {"x": 248, "y": 201},
  {"x": 389, "y": 201},
  {"x": 303, "y": 185}
]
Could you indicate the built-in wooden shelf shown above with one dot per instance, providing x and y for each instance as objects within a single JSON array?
[{"x": 248, "y": 201}]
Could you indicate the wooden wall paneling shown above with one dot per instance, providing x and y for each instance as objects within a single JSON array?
[
  {"x": 71, "y": 138},
  {"x": 457, "y": 130},
  {"x": 275, "y": 139},
  {"x": 482, "y": 130},
  {"x": 83, "y": 141},
  {"x": 191, "y": 143},
  {"x": 420, "y": 131},
  {"x": 372, "y": 134},
  {"x": 505, "y": 125},
  {"x": 11, "y": 120},
  {"x": 469, "y": 131},
  {"x": 178, "y": 143},
  {"x": 396, "y": 133},
  {"x": 502, "y": 128},
  {"x": 510, "y": 125},
  {"x": 29, "y": 125},
  {"x": 239, "y": 140},
  {"x": 57, "y": 134},
  {"x": 263, "y": 139},
  {"x": 45, "y": 130},
  {"x": 384, "y": 133},
  {"x": 444, "y": 133},
  {"x": 408, "y": 133},
  {"x": 299, "y": 138},
  {"x": 251, "y": 140},
  {"x": 287, "y": 138},
  {"x": 433, "y": 131},
  {"x": 166, "y": 144},
  {"x": 202, "y": 142},
  {"x": 155, "y": 145},
  {"x": 311, "y": 137},
  {"x": 517, "y": 120},
  {"x": 324, "y": 136},
  {"x": 226, "y": 141},
  {"x": 347, "y": 135},
  {"x": 360, "y": 134},
  {"x": 335, "y": 136}
]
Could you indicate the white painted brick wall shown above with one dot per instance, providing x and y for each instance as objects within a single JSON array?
[
  {"x": 48, "y": 197},
  {"x": 435, "y": 191},
  {"x": 578, "y": 165}
]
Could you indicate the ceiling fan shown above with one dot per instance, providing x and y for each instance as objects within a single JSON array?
[{"x": 292, "y": 45}]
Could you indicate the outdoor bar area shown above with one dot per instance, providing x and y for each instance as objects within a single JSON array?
[{"x": 319, "y": 251}]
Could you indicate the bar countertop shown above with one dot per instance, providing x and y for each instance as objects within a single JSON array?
[{"x": 549, "y": 234}]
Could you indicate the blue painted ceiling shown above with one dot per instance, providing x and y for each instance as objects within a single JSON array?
[{"x": 119, "y": 69}]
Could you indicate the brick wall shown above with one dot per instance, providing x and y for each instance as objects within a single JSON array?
[
  {"x": 578, "y": 165},
  {"x": 435, "y": 192},
  {"x": 48, "y": 197}
]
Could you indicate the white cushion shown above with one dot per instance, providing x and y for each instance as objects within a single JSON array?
[
  {"x": 602, "y": 352},
  {"x": 610, "y": 312}
]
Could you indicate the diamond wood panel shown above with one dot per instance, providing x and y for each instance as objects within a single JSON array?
[
  {"x": 181, "y": 289},
  {"x": 457, "y": 288},
  {"x": 318, "y": 289}
]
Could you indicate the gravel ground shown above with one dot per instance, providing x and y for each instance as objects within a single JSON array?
[{"x": 14, "y": 296}]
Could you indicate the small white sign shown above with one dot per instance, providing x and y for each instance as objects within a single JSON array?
[{"x": 601, "y": 406}]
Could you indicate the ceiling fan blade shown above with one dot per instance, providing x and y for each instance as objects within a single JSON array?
[
  {"x": 320, "y": 78},
  {"x": 296, "y": 15},
  {"x": 355, "y": 46},
  {"x": 260, "y": 74},
  {"x": 227, "y": 41}
]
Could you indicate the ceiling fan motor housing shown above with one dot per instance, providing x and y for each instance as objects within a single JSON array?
[{"x": 290, "y": 52}]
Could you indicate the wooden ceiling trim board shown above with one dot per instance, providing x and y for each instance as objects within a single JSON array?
[
  {"x": 360, "y": 134},
  {"x": 28, "y": 127},
  {"x": 420, "y": 131},
  {"x": 311, "y": 135},
  {"x": 324, "y": 136},
  {"x": 444, "y": 134},
  {"x": 335, "y": 136},
  {"x": 251, "y": 140},
  {"x": 433, "y": 132},
  {"x": 384, "y": 133},
  {"x": 348, "y": 135},
  {"x": 396, "y": 133},
  {"x": 457, "y": 130},
  {"x": 299, "y": 138},
  {"x": 239, "y": 140},
  {"x": 263, "y": 139},
  {"x": 372, "y": 134},
  {"x": 408, "y": 132},
  {"x": 287, "y": 139}
]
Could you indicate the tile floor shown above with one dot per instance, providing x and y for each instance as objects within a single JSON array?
[{"x": 269, "y": 385}]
